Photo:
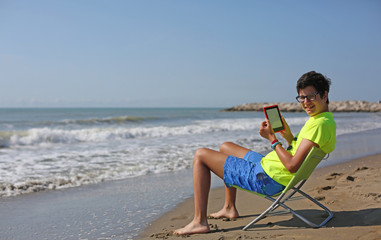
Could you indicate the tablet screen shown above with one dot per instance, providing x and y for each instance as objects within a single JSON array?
[{"x": 273, "y": 115}]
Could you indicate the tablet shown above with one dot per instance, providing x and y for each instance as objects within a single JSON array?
[{"x": 273, "y": 115}]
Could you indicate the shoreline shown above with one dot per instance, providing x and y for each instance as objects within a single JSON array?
[{"x": 348, "y": 189}]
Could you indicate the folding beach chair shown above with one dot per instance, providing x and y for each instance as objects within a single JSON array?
[{"x": 309, "y": 164}]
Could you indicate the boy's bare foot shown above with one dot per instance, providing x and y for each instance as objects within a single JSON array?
[
  {"x": 225, "y": 213},
  {"x": 192, "y": 228}
]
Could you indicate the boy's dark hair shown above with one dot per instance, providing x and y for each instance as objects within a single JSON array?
[{"x": 316, "y": 80}]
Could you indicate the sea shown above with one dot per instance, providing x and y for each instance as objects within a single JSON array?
[{"x": 57, "y": 148}]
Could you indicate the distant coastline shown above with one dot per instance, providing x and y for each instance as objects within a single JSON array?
[{"x": 334, "y": 106}]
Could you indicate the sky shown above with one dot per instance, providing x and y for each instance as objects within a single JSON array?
[{"x": 178, "y": 53}]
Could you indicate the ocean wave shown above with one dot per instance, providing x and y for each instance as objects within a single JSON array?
[
  {"x": 78, "y": 123},
  {"x": 111, "y": 120},
  {"x": 345, "y": 126},
  {"x": 58, "y": 170},
  {"x": 46, "y": 135},
  {"x": 91, "y": 177},
  {"x": 7, "y": 190}
]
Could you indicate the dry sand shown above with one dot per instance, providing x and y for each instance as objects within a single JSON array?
[{"x": 352, "y": 190}]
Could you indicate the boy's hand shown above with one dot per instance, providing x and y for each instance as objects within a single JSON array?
[
  {"x": 266, "y": 131},
  {"x": 286, "y": 134}
]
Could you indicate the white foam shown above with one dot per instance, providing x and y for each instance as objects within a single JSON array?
[{"x": 41, "y": 136}]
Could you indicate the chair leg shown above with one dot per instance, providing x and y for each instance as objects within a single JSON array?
[
  {"x": 330, "y": 214},
  {"x": 268, "y": 210},
  {"x": 275, "y": 205},
  {"x": 278, "y": 203}
]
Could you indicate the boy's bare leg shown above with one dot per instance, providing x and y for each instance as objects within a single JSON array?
[
  {"x": 229, "y": 210},
  {"x": 204, "y": 161}
]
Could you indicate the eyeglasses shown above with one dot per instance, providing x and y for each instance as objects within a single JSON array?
[{"x": 311, "y": 97}]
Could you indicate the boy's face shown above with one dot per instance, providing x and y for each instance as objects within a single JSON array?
[{"x": 316, "y": 106}]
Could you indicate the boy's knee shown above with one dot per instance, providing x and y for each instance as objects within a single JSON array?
[
  {"x": 200, "y": 152},
  {"x": 224, "y": 148}
]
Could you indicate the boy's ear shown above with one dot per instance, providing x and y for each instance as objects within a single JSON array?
[{"x": 325, "y": 97}]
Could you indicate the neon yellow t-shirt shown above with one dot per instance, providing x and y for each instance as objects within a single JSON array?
[{"x": 320, "y": 129}]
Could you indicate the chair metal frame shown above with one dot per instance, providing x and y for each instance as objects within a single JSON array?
[{"x": 300, "y": 177}]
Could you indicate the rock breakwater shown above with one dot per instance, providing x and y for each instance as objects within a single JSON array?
[{"x": 334, "y": 106}]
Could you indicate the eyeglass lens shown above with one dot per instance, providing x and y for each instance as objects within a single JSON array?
[{"x": 310, "y": 97}]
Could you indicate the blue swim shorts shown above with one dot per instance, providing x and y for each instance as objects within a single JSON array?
[{"x": 247, "y": 173}]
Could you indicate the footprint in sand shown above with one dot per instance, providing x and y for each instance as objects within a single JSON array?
[
  {"x": 162, "y": 235},
  {"x": 361, "y": 169},
  {"x": 213, "y": 227},
  {"x": 320, "y": 198},
  {"x": 333, "y": 176},
  {"x": 350, "y": 178},
  {"x": 326, "y": 188},
  {"x": 375, "y": 196}
]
